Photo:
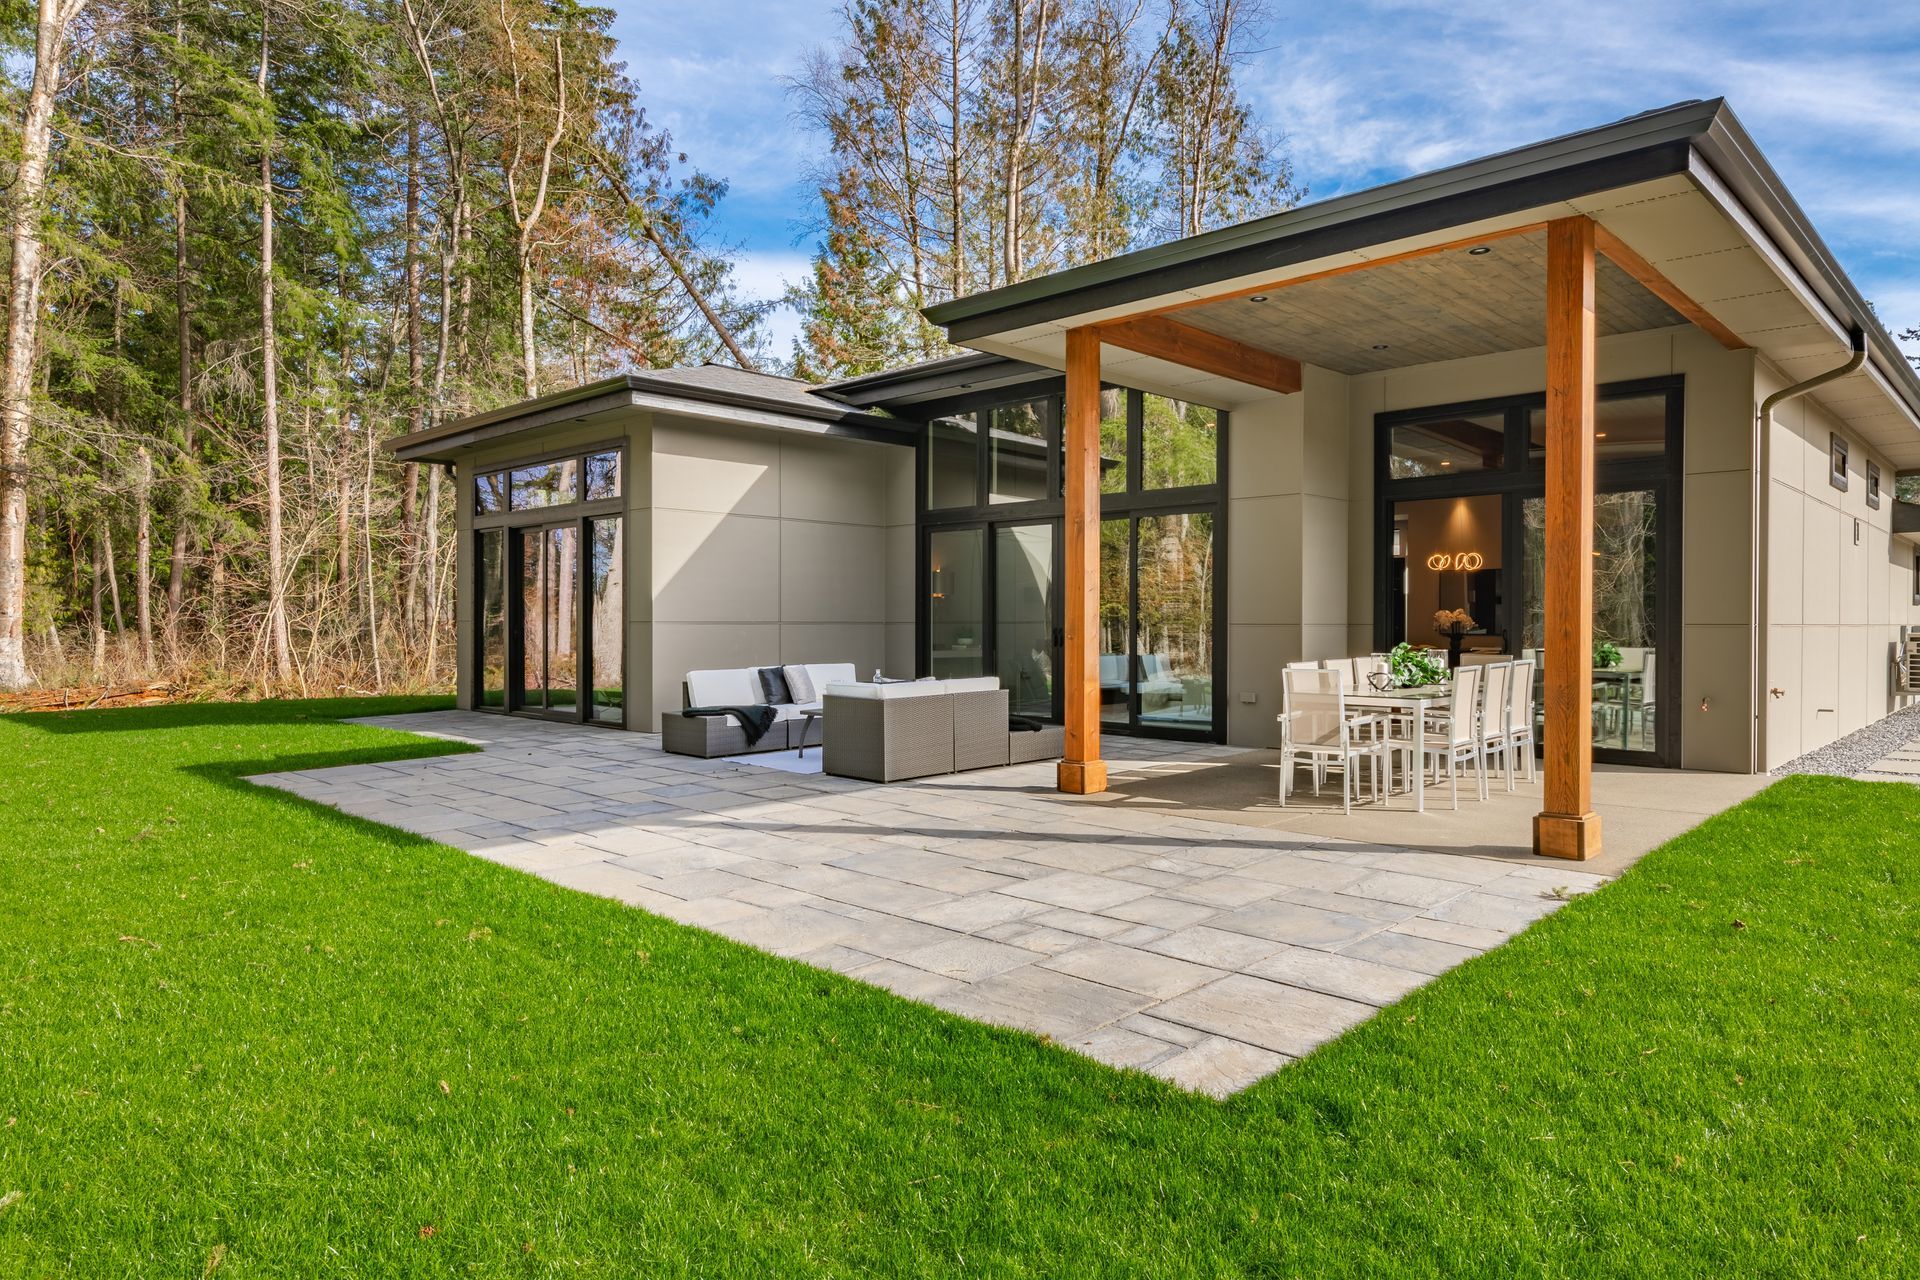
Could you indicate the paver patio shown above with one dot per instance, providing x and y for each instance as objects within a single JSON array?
[{"x": 1207, "y": 953}]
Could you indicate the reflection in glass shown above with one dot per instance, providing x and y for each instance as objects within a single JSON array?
[
  {"x": 490, "y": 493},
  {"x": 545, "y": 484},
  {"x": 1634, "y": 427},
  {"x": 1018, "y": 440},
  {"x": 493, "y": 618},
  {"x": 1448, "y": 446},
  {"x": 953, "y": 461},
  {"x": 1173, "y": 666},
  {"x": 1446, "y": 556},
  {"x": 956, "y": 608},
  {"x": 1023, "y": 615},
  {"x": 1116, "y": 621},
  {"x": 1113, "y": 440},
  {"x": 603, "y": 475},
  {"x": 607, "y": 632},
  {"x": 1625, "y": 663},
  {"x": 549, "y": 562},
  {"x": 1179, "y": 443}
]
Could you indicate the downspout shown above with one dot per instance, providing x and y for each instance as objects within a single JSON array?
[{"x": 1762, "y": 489}]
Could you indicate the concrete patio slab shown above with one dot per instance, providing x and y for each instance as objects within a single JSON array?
[{"x": 1156, "y": 928}]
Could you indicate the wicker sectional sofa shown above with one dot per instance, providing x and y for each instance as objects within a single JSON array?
[
  {"x": 711, "y": 736},
  {"x": 891, "y": 732}
]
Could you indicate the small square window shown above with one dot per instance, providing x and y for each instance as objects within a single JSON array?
[
  {"x": 490, "y": 493},
  {"x": 603, "y": 476},
  {"x": 1873, "y": 485},
  {"x": 1837, "y": 461}
]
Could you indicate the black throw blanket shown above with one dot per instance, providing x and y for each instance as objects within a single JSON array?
[
  {"x": 755, "y": 720},
  {"x": 1022, "y": 724}
]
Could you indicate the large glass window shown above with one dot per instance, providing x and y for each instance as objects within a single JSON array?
[
  {"x": 544, "y": 484},
  {"x": 1023, "y": 609},
  {"x": 1446, "y": 571},
  {"x": 1116, "y": 620},
  {"x": 1450, "y": 445},
  {"x": 491, "y": 642},
  {"x": 1173, "y": 660},
  {"x": 956, "y": 604},
  {"x": 953, "y": 462},
  {"x": 1019, "y": 445},
  {"x": 1179, "y": 443},
  {"x": 606, "y": 596},
  {"x": 1625, "y": 661},
  {"x": 549, "y": 612},
  {"x": 1630, "y": 427},
  {"x": 1114, "y": 433}
]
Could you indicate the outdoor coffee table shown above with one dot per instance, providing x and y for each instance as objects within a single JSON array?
[
  {"x": 808, "y": 714},
  {"x": 1407, "y": 702}
]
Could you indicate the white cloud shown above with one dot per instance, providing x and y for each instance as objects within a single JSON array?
[{"x": 764, "y": 274}]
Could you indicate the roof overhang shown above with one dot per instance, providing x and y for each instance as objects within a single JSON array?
[
  {"x": 446, "y": 442},
  {"x": 1683, "y": 187}
]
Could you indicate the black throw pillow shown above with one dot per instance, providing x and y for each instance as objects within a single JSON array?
[{"x": 773, "y": 682}]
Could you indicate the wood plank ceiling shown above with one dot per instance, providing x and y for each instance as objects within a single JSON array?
[{"x": 1441, "y": 307}]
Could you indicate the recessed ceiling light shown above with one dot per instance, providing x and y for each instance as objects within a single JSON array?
[
  {"x": 1258, "y": 297},
  {"x": 1445, "y": 463},
  {"x": 1480, "y": 249},
  {"x": 1599, "y": 435},
  {"x": 1379, "y": 346}
]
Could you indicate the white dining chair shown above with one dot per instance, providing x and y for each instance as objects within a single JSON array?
[
  {"x": 1316, "y": 729},
  {"x": 1452, "y": 736},
  {"x": 1519, "y": 738}
]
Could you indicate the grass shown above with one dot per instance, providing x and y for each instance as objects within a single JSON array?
[{"x": 246, "y": 1035}]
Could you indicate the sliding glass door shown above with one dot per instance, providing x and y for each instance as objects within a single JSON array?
[{"x": 1158, "y": 622}]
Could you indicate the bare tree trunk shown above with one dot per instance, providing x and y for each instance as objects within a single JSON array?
[
  {"x": 99, "y": 621},
  {"x": 433, "y": 568},
  {"x": 113, "y": 575},
  {"x": 416, "y": 407},
  {"x": 143, "y": 556},
  {"x": 373, "y": 616},
  {"x": 270, "y": 391},
  {"x": 27, "y": 207},
  {"x": 527, "y": 222}
]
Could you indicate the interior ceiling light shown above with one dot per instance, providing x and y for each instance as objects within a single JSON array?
[
  {"x": 1480, "y": 249},
  {"x": 1599, "y": 435},
  {"x": 1379, "y": 346}
]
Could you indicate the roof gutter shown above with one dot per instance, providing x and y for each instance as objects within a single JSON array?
[{"x": 1760, "y": 512}]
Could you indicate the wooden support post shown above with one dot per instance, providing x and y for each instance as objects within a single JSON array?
[
  {"x": 1082, "y": 771},
  {"x": 1567, "y": 826}
]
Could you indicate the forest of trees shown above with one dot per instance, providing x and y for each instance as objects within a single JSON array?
[{"x": 251, "y": 240}]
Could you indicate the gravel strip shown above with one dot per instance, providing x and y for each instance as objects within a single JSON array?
[{"x": 1861, "y": 750}]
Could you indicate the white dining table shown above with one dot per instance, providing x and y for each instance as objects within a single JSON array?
[{"x": 1405, "y": 702}]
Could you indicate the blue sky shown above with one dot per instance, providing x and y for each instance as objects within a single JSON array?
[{"x": 1366, "y": 91}]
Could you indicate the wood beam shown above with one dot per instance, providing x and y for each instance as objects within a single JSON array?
[
  {"x": 1192, "y": 348},
  {"x": 1622, "y": 256},
  {"x": 1082, "y": 771},
  {"x": 1567, "y": 826}
]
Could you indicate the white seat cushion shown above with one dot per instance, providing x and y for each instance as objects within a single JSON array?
[
  {"x": 888, "y": 692},
  {"x": 973, "y": 684},
  {"x": 734, "y": 687},
  {"x": 826, "y": 673}
]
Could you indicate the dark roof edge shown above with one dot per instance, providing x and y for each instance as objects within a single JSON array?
[
  {"x": 612, "y": 393},
  {"x": 1638, "y": 149},
  {"x": 1729, "y": 152},
  {"x": 932, "y": 378}
]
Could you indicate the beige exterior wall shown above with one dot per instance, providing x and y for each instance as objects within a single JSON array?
[
  {"x": 774, "y": 546},
  {"x": 1835, "y": 601},
  {"x": 1301, "y": 556}
]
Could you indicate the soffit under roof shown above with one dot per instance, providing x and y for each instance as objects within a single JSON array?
[{"x": 1445, "y": 306}]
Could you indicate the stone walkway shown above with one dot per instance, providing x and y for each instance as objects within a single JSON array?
[
  {"x": 1205, "y": 953},
  {"x": 1902, "y": 765}
]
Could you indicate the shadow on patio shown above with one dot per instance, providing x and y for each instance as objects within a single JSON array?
[{"x": 1642, "y": 808}]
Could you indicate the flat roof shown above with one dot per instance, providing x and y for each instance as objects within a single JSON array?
[{"x": 759, "y": 399}]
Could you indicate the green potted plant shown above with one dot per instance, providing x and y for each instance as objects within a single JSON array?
[
  {"x": 1412, "y": 668},
  {"x": 1606, "y": 655}
]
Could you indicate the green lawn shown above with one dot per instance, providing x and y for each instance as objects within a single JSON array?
[{"x": 244, "y": 1034}]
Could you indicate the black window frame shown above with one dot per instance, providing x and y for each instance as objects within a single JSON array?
[
  {"x": 513, "y": 526},
  {"x": 1521, "y": 478},
  {"x": 1131, "y": 503}
]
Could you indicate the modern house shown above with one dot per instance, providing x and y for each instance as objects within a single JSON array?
[{"x": 1609, "y": 395}]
